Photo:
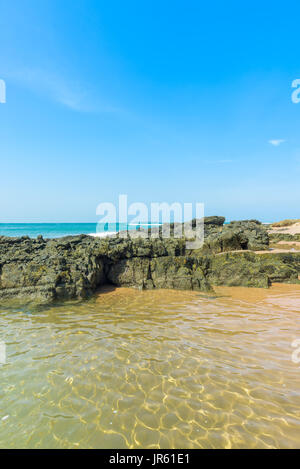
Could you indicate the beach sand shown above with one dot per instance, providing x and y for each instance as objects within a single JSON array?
[{"x": 292, "y": 229}]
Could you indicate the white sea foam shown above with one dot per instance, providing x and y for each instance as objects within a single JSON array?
[{"x": 103, "y": 235}]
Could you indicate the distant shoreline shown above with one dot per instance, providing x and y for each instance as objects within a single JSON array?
[{"x": 60, "y": 230}]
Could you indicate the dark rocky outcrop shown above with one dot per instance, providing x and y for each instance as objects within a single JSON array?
[
  {"x": 276, "y": 237},
  {"x": 49, "y": 270},
  {"x": 249, "y": 269},
  {"x": 239, "y": 235},
  {"x": 45, "y": 271}
]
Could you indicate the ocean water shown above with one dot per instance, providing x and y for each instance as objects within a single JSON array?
[
  {"x": 59, "y": 230},
  {"x": 153, "y": 369}
]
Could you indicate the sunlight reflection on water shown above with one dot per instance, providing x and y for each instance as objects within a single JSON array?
[{"x": 155, "y": 369}]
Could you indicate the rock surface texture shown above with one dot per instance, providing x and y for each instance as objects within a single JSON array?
[{"x": 46, "y": 271}]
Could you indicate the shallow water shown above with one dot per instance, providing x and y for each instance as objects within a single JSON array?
[{"x": 156, "y": 369}]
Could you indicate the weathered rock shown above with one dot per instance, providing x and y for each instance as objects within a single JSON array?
[
  {"x": 251, "y": 233},
  {"x": 217, "y": 221},
  {"x": 276, "y": 237},
  {"x": 236, "y": 236},
  {"x": 53, "y": 270},
  {"x": 248, "y": 269},
  {"x": 179, "y": 273},
  {"x": 74, "y": 267}
]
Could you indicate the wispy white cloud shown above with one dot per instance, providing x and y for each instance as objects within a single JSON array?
[
  {"x": 277, "y": 142},
  {"x": 66, "y": 92}
]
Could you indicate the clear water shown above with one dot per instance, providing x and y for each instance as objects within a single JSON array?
[
  {"x": 154, "y": 369},
  {"x": 58, "y": 230}
]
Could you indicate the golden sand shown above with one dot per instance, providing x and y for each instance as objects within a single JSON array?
[{"x": 154, "y": 369}]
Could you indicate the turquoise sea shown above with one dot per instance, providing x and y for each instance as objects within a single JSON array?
[{"x": 58, "y": 230}]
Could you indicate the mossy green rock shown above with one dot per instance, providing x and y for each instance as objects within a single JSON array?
[
  {"x": 46, "y": 271},
  {"x": 254, "y": 270},
  {"x": 161, "y": 272},
  {"x": 276, "y": 237}
]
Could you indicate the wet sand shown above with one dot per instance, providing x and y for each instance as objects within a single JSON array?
[{"x": 154, "y": 369}]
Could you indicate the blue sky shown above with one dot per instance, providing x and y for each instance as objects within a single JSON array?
[{"x": 165, "y": 101}]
